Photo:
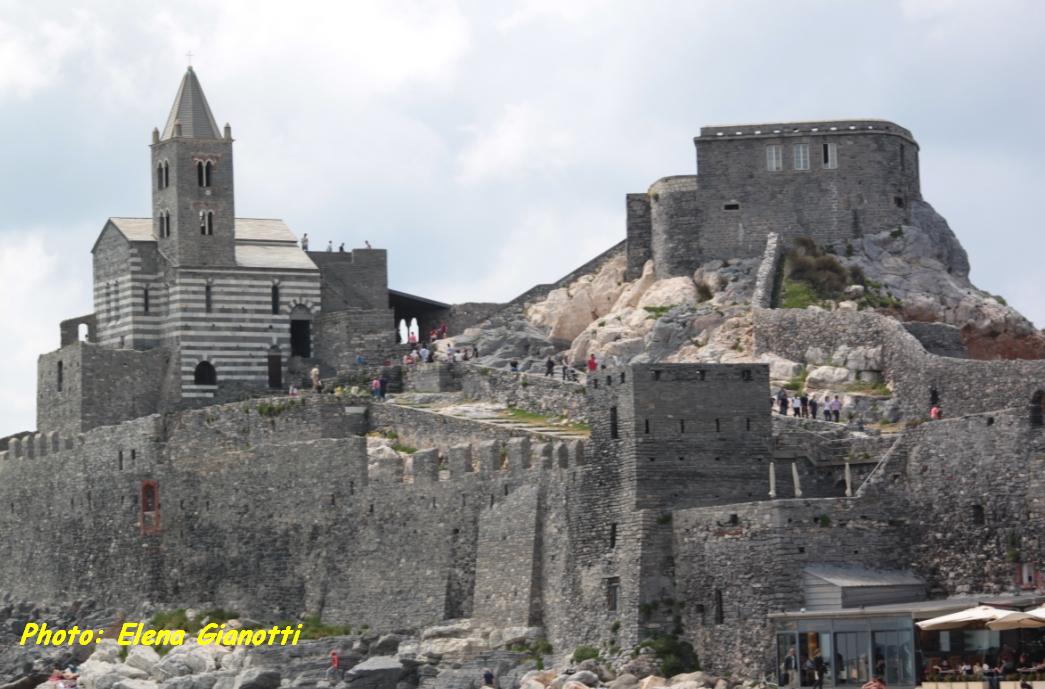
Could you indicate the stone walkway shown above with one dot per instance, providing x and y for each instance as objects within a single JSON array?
[{"x": 452, "y": 404}]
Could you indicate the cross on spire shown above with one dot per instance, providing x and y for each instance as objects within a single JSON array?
[{"x": 189, "y": 56}]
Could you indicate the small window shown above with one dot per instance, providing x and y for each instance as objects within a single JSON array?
[
  {"x": 978, "y": 517},
  {"x": 656, "y": 375},
  {"x": 166, "y": 174},
  {"x": 199, "y": 173},
  {"x": 210, "y": 222},
  {"x": 898, "y": 200},
  {"x": 731, "y": 206},
  {"x": 145, "y": 299},
  {"x": 150, "y": 507},
  {"x": 208, "y": 298},
  {"x": 208, "y": 170},
  {"x": 614, "y": 431},
  {"x": 622, "y": 377},
  {"x": 647, "y": 426},
  {"x": 613, "y": 535},
  {"x": 682, "y": 425},
  {"x": 60, "y": 375},
  {"x": 830, "y": 156},
  {"x": 801, "y": 156},
  {"x": 720, "y": 612},
  {"x": 746, "y": 374},
  {"x": 609, "y": 381},
  {"x": 612, "y": 593},
  {"x": 159, "y": 175},
  {"x": 119, "y": 460},
  {"x": 718, "y": 425},
  {"x": 774, "y": 158},
  {"x": 748, "y": 420},
  {"x": 275, "y": 299}
]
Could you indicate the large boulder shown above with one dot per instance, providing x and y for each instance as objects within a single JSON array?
[
  {"x": 106, "y": 651},
  {"x": 625, "y": 681},
  {"x": 128, "y": 683},
  {"x": 378, "y": 672},
  {"x": 678, "y": 291},
  {"x": 142, "y": 657},
  {"x": 653, "y": 682},
  {"x": 697, "y": 677},
  {"x": 257, "y": 678},
  {"x": 828, "y": 376},
  {"x": 585, "y": 677}
]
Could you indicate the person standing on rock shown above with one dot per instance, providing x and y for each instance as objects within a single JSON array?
[
  {"x": 796, "y": 406},
  {"x": 488, "y": 679},
  {"x": 334, "y": 672},
  {"x": 935, "y": 413},
  {"x": 836, "y": 407},
  {"x": 304, "y": 241},
  {"x": 549, "y": 368},
  {"x": 813, "y": 407},
  {"x": 804, "y": 399},
  {"x": 593, "y": 365},
  {"x": 781, "y": 400}
]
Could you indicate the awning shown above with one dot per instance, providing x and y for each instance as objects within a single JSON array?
[
  {"x": 1027, "y": 619},
  {"x": 970, "y": 618}
]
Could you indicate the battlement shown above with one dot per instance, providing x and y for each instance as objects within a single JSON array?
[
  {"x": 490, "y": 459},
  {"x": 822, "y": 128}
]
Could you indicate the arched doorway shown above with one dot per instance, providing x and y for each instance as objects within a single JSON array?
[
  {"x": 300, "y": 332},
  {"x": 205, "y": 374},
  {"x": 1037, "y": 409},
  {"x": 275, "y": 364}
]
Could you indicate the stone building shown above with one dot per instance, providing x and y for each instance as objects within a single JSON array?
[
  {"x": 195, "y": 305},
  {"x": 829, "y": 180}
]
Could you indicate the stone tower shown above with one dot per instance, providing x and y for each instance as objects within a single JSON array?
[{"x": 193, "y": 205}]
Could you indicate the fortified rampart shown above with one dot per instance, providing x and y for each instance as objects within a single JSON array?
[{"x": 962, "y": 386}]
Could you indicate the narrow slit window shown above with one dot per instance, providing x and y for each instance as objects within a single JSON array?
[
  {"x": 647, "y": 426},
  {"x": 614, "y": 429},
  {"x": 275, "y": 299},
  {"x": 60, "y": 376},
  {"x": 145, "y": 299},
  {"x": 613, "y": 535},
  {"x": 208, "y": 298},
  {"x": 199, "y": 173},
  {"x": 731, "y": 206},
  {"x": 612, "y": 594}
]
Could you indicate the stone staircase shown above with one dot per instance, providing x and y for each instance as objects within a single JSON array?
[{"x": 513, "y": 424}]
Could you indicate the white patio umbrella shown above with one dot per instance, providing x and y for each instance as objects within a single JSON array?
[
  {"x": 1027, "y": 619},
  {"x": 972, "y": 617}
]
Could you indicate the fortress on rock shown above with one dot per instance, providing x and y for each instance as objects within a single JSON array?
[{"x": 166, "y": 467}]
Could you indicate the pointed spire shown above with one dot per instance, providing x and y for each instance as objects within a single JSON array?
[{"x": 191, "y": 112}]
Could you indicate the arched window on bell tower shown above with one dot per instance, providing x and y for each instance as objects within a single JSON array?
[
  {"x": 199, "y": 173},
  {"x": 208, "y": 169},
  {"x": 206, "y": 223},
  {"x": 166, "y": 174},
  {"x": 159, "y": 175}
]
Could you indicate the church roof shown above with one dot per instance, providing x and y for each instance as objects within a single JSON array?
[
  {"x": 191, "y": 111},
  {"x": 260, "y": 242}
]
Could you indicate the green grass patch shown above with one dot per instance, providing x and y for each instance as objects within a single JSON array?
[
  {"x": 178, "y": 619},
  {"x": 657, "y": 311},
  {"x": 674, "y": 655},
  {"x": 312, "y": 627},
  {"x": 797, "y": 295},
  {"x": 876, "y": 389},
  {"x": 798, "y": 383},
  {"x": 582, "y": 653},
  {"x": 405, "y": 449}
]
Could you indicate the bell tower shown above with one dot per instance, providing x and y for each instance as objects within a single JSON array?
[{"x": 193, "y": 204}]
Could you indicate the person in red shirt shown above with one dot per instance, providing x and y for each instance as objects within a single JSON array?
[
  {"x": 592, "y": 364},
  {"x": 334, "y": 674}
]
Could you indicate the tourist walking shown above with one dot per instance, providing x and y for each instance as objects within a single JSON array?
[
  {"x": 384, "y": 386},
  {"x": 317, "y": 384},
  {"x": 549, "y": 368},
  {"x": 781, "y": 400},
  {"x": 789, "y": 670},
  {"x": 341, "y": 249},
  {"x": 935, "y": 413},
  {"x": 304, "y": 242},
  {"x": 334, "y": 673},
  {"x": 813, "y": 407},
  {"x": 819, "y": 668},
  {"x": 375, "y": 388},
  {"x": 796, "y": 406},
  {"x": 836, "y": 408},
  {"x": 330, "y": 245},
  {"x": 488, "y": 679},
  {"x": 804, "y": 399}
]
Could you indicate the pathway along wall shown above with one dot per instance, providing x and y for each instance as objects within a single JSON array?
[{"x": 963, "y": 386}]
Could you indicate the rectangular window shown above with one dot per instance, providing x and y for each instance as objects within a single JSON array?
[
  {"x": 145, "y": 298},
  {"x": 774, "y": 158},
  {"x": 208, "y": 299},
  {"x": 830, "y": 153},
  {"x": 614, "y": 432},
  {"x": 720, "y": 611},
  {"x": 612, "y": 593},
  {"x": 613, "y": 536},
  {"x": 801, "y": 153},
  {"x": 61, "y": 376}
]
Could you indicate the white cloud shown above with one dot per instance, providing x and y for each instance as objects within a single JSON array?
[
  {"x": 541, "y": 246},
  {"x": 39, "y": 291},
  {"x": 32, "y": 54},
  {"x": 521, "y": 141}
]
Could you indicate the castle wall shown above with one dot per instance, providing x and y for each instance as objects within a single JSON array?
[
  {"x": 639, "y": 234},
  {"x": 343, "y": 335},
  {"x": 356, "y": 279},
  {"x": 100, "y": 386},
  {"x": 939, "y": 339},
  {"x": 676, "y": 219},
  {"x": 534, "y": 393},
  {"x": 965, "y": 386}
]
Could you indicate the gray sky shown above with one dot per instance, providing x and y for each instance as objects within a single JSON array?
[{"x": 488, "y": 145}]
